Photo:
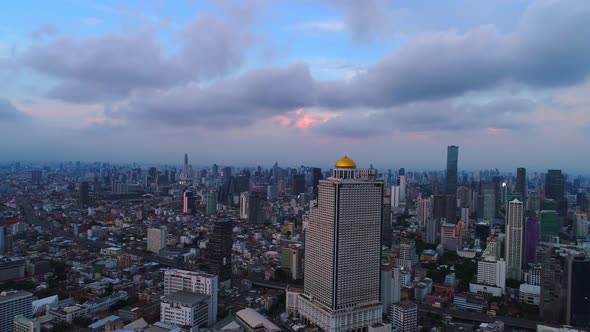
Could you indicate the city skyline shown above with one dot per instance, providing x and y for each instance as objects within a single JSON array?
[{"x": 398, "y": 83}]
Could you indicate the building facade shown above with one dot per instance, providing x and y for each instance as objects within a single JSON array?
[
  {"x": 198, "y": 282},
  {"x": 514, "y": 237}
]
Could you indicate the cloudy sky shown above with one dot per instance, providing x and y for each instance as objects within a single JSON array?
[{"x": 302, "y": 82}]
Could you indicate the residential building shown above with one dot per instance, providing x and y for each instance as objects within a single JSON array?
[
  {"x": 12, "y": 304},
  {"x": 514, "y": 237},
  {"x": 198, "y": 282},
  {"x": 184, "y": 308}
]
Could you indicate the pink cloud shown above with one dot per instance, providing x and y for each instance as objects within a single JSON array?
[
  {"x": 95, "y": 120},
  {"x": 282, "y": 120},
  {"x": 301, "y": 119}
]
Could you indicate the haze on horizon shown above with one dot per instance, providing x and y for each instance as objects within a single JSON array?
[{"x": 390, "y": 83}]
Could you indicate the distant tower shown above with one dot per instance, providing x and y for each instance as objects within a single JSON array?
[
  {"x": 189, "y": 205},
  {"x": 84, "y": 189},
  {"x": 514, "y": 234},
  {"x": 219, "y": 251},
  {"x": 520, "y": 187},
  {"x": 343, "y": 264},
  {"x": 184, "y": 175},
  {"x": 452, "y": 159}
]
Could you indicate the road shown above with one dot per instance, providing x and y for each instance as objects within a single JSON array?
[{"x": 478, "y": 317}]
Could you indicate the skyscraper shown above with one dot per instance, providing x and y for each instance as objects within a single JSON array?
[
  {"x": 452, "y": 159},
  {"x": 514, "y": 232},
  {"x": 531, "y": 241},
  {"x": 402, "y": 188},
  {"x": 520, "y": 187},
  {"x": 578, "y": 291},
  {"x": 554, "y": 184},
  {"x": 343, "y": 251},
  {"x": 219, "y": 251},
  {"x": 12, "y": 304},
  {"x": 188, "y": 202},
  {"x": 549, "y": 224},
  {"x": 84, "y": 189},
  {"x": 184, "y": 175},
  {"x": 211, "y": 207},
  {"x": 316, "y": 176}
]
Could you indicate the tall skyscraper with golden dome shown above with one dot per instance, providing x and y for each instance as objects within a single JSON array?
[{"x": 343, "y": 251}]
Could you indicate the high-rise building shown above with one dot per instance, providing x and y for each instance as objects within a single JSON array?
[
  {"x": 514, "y": 235},
  {"x": 219, "y": 251},
  {"x": 24, "y": 324},
  {"x": 432, "y": 230},
  {"x": 554, "y": 184},
  {"x": 578, "y": 291},
  {"x": 424, "y": 210},
  {"x": 316, "y": 176},
  {"x": 244, "y": 203},
  {"x": 185, "y": 308},
  {"x": 342, "y": 274},
  {"x": 445, "y": 207},
  {"x": 12, "y": 304},
  {"x": 549, "y": 224},
  {"x": 386, "y": 230},
  {"x": 211, "y": 207},
  {"x": 189, "y": 204},
  {"x": 488, "y": 192},
  {"x": 386, "y": 286},
  {"x": 552, "y": 302},
  {"x": 404, "y": 316},
  {"x": 492, "y": 271},
  {"x": 451, "y": 178},
  {"x": 397, "y": 285},
  {"x": 196, "y": 282},
  {"x": 395, "y": 196},
  {"x": 156, "y": 239},
  {"x": 292, "y": 261},
  {"x": 581, "y": 224},
  {"x": 297, "y": 184},
  {"x": 84, "y": 192},
  {"x": 184, "y": 175},
  {"x": 5, "y": 246},
  {"x": 36, "y": 177},
  {"x": 402, "y": 188},
  {"x": 531, "y": 240},
  {"x": 520, "y": 187}
]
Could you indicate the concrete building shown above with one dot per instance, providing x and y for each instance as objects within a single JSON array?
[
  {"x": 386, "y": 286},
  {"x": 404, "y": 316},
  {"x": 211, "y": 202},
  {"x": 252, "y": 321},
  {"x": 156, "y": 239},
  {"x": 292, "y": 261},
  {"x": 244, "y": 205},
  {"x": 342, "y": 275},
  {"x": 514, "y": 238},
  {"x": 491, "y": 271},
  {"x": 12, "y": 304},
  {"x": 197, "y": 282},
  {"x": 24, "y": 324},
  {"x": 424, "y": 210},
  {"x": 432, "y": 230},
  {"x": 185, "y": 308}
]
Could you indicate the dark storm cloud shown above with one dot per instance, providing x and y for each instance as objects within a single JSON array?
[
  {"x": 257, "y": 94},
  {"x": 9, "y": 113}
]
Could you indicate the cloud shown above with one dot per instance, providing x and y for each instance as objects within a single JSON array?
[
  {"x": 10, "y": 113},
  {"x": 92, "y": 21},
  {"x": 366, "y": 20},
  {"x": 44, "y": 30},
  {"x": 331, "y": 26}
]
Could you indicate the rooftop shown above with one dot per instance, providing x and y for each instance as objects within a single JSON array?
[{"x": 186, "y": 297}]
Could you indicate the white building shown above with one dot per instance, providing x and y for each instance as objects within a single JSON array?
[
  {"x": 492, "y": 271},
  {"x": 514, "y": 240},
  {"x": 342, "y": 278},
  {"x": 23, "y": 324},
  {"x": 424, "y": 210},
  {"x": 404, "y": 316},
  {"x": 12, "y": 304},
  {"x": 156, "y": 239},
  {"x": 185, "y": 308},
  {"x": 244, "y": 205},
  {"x": 252, "y": 321},
  {"x": 530, "y": 294},
  {"x": 197, "y": 282}
]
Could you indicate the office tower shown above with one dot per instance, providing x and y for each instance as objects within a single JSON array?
[
  {"x": 36, "y": 177},
  {"x": 219, "y": 251},
  {"x": 226, "y": 173},
  {"x": 552, "y": 301},
  {"x": 343, "y": 251},
  {"x": 531, "y": 240},
  {"x": 424, "y": 210},
  {"x": 156, "y": 239},
  {"x": 172, "y": 178},
  {"x": 395, "y": 196},
  {"x": 432, "y": 230},
  {"x": 581, "y": 225},
  {"x": 554, "y": 184},
  {"x": 244, "y": 203},
  {"x": 196, "y": 282},
  {"x": 84, "y": 190},
  {"x": 211, "y": 207},
  {"x": 242, "y": 184},
  {"x": 404, "y": 316},
  {"x": 520, "y": 187},
  {"x": 292, "y": 261},
  {"x": 215, "y": 171},
  {"x": 256, "y": 214},
  {"x": 402, "y": 188},
  {"x": 316, "y": 176},
  {"x": 189, "y": 204},
  {"x": 488, "y": 192},
  {"x": 465, "y": 216},
  {"x": 514, "y": 233},
  {"x": 397, "y": 285},
  {"x": 578, "y": 291},
  {"x": 386, "y": 231},
  {"x": 549, "y": 224},
  {"x": 445, "y": 207},
  {"x": 492, "y": 271},
  {"x": 297, "y": 184},
  {"x": 12, "y": 304},
  {"x": 184, "y": 308},
  {"x": 451, "y": 178},
  {"x": 184, "y": 175},
  {"x": 386, "y": 286},
  {"x": 450, "y": 236}
]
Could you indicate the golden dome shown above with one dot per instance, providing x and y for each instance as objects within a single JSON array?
[{"x": 345, "y": 162}]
